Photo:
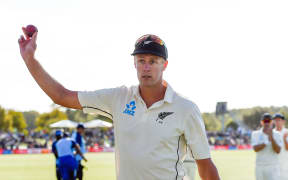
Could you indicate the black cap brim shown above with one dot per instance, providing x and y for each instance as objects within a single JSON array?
[{"x": 147, "y": 52}]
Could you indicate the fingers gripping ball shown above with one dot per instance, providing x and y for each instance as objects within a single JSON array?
[{"x": 31, "y": 29}]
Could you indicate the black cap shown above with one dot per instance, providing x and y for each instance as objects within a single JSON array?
[
  {"x": 151, "y": 44},
  {"x": 80, "y": 125},
  {"x": 278, "y": 115},
  {"x": 266, "y": 116}
]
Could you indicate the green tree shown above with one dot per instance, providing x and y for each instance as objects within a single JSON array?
[
  {"x": 284, "y": 110},
  {"x": 253, "y": 117},
  {"x": 2, "y": 119},
  {"x": 233, "y": 125},
  {"x": 211, "y": 122},
  {"x": 15, "y": 120},
  {"x": 30, "y": 117},
  {"x": 44, "y": 120}
]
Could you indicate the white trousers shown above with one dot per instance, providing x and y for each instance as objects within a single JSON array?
[
  {"x": 284, "y": 172},
  {"x": 190, "y": 170},
  {"x": 267, "y": 172}
]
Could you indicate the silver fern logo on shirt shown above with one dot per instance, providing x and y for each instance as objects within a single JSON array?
[{"x": 162, "y": 116}]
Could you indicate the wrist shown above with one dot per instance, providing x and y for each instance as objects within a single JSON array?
[{"x": 29, "y": 59}]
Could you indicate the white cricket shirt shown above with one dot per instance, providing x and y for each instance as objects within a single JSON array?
[
  {"x": 284, "y": 153},
  {"x": 150, "y": 143},
  {"x": 266, "y": 156}
]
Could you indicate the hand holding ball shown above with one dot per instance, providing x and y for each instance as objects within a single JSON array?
[
  {"x": 27, "y": 42},
  {"x": 30, "y": 30}
]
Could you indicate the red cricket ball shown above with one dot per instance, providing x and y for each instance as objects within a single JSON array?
[{"x": 31, "y": 29}]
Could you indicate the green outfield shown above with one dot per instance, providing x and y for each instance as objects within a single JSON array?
[{"x": 232, "y": 165}]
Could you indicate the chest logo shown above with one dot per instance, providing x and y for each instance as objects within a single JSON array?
[
  {"x": 130, "y": 108},
  {"x": 162, "y": 116}
]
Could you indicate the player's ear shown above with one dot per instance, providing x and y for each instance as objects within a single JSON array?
[{"x": 165, "y": 64}]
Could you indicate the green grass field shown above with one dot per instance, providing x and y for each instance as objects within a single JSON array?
[{"x": 232, "y": 165}]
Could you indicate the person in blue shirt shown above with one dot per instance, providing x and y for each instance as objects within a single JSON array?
[
  {"x": 58, "y": 135},
  {"x": 78, "y": 138},
  {"x": 67, "y": 162}
]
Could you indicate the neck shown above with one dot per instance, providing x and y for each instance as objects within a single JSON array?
[
  {"x": 279, "y": 128},
  {"x": 152, "y": 94}
]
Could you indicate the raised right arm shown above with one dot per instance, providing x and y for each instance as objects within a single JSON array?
[{"x": 58, "y": 93}]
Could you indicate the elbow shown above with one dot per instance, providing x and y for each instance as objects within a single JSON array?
[
  {"x": 277, "y": 150},
  {"x": 60, "y": 97},
  {"x": 255, "y": 149},
  {"x": 57, "y": 101}
]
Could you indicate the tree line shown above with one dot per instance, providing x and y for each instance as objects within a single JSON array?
[
  {"x": 248, "y": 118},
  {"x": 23, "y": 122},
  {"x": 16, "y": 121}
]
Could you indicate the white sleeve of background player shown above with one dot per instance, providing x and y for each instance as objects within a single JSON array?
[
  {"x": 278, "y": 139},
  {"x": 255, "y": 139},
  {"x": 195, "y": 134},
  {"x": 99, "y": 101}
]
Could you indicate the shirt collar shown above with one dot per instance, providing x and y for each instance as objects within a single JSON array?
[{"x": 169, "y": 94}]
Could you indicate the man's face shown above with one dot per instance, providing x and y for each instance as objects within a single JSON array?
[
  {"x": 279, "y": 123},
  {"x": 149, "y": 69},
  {"x": 80, "y": 130},
  {"x": 267, "y": 123}
]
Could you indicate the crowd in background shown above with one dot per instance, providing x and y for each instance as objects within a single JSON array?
[
  {"x": 230, "y": 137},
  {"x": 105, "y": 138},
  {"x": 9, "y": 141}
]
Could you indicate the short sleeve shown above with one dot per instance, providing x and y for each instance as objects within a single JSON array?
[
  {"x": 278, "y": 139},
  {"x": 99, "y": 101},
  {"x": 195, "y": 134},
  {"x": 254, "y": 139}
]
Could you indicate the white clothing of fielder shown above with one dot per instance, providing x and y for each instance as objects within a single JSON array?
[
  {"x": 150, "y": 142},
  {"x": 267, "y": 160},
  {"x": 283, "y": 157}
]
